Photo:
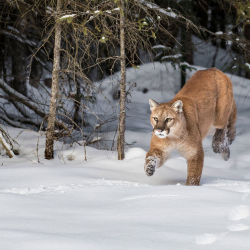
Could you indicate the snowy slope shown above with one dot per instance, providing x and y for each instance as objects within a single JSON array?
[{"x": 104, "y": 203}]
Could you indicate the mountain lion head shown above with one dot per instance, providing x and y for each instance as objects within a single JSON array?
[{"x": 165, "y": 119}]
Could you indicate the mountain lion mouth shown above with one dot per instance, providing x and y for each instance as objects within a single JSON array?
[{"x": 162, "y": 134}]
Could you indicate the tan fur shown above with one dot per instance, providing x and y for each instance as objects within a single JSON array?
[{"x": 208, "y": 101}]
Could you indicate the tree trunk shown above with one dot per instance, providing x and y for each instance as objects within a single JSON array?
[
  {"x": 189, "y": 47},
  {"x": 121, "y": 136},
  {"x": 54, "y": 88},
  {"x": 247, "y": 36},
  {"x": 77, "y": 102},
  {"x": 2, "y": 54},
  {"x": 183, "y": 49},
  {"x": 36, "y": 73},
  {"x": 216, "y": 52},
  {"x": 19, "y": 64}
]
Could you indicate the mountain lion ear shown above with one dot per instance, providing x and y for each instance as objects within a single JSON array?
[
  {"x": 178, "y": 106},
  {"x": 153, "y": 104}
]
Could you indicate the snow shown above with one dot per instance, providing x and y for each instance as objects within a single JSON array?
[
  {"x": 171, "y": 56},
  {"x": 151, "y": 5},
  {"x": 160, "y": 47},
  {"x": 219, "y": 33},
  {"x": 204, "y": 57},
  {"x": 103, "y": 203},
  {"x": 49, "y": 10},
  {"x": 185, "y": 64},
  {"x": 95, "y": 139},
  {"x": 67, "y": 16},
  {"x": 248, "y": 65}
]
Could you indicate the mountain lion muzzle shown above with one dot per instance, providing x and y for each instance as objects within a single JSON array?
[{"x": 205, "y": 101}]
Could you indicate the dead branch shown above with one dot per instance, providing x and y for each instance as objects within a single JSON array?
[
  {"x": 28, "y": 103},
  {"x": 21, "y": 98},
  {"x": 6, "y": 146},
  {"x": 7, "y": 143},
  {"x": 15, "y": 124}
]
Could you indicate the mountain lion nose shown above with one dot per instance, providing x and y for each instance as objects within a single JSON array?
[{"x": 159, "y": 130}]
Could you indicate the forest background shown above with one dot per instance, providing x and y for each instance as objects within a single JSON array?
[{"x": 54, "y": 52}]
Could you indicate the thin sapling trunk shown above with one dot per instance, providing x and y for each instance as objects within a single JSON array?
[
  {"x": 54, "y": 88},
  {"x": 121, "y": 136}
]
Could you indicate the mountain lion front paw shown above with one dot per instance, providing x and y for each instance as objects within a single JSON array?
[{"x": 150, "y": 165}]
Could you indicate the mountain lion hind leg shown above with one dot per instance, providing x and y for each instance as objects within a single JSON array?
[
  {"x": 231, "y": 131},
  {"x": 225, "y": 131},
  {"x": 220, "y": 142}
]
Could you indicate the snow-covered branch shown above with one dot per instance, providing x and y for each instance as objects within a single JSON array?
[
  {"x": 21, "y": 109},
  {"x": 16, "y": 96},
  {"x": 150, "y": 5},
  {"x": 15, "y": 124},
  {"x": 23, "y": 99},
  {"x": 171, "y": 56},
  {"x": 67, "y": 16},
  {"x": 16, "y": 37}
]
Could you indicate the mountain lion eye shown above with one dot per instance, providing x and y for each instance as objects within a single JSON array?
[
  {"x": 169, "y": 119},
  {"x": 156, "y": 119}
]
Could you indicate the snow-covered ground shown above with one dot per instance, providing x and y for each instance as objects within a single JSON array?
[{"x": 71, "y": 204}]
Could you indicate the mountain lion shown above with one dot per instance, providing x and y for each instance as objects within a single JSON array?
[{"x": 206, "y": 100}]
